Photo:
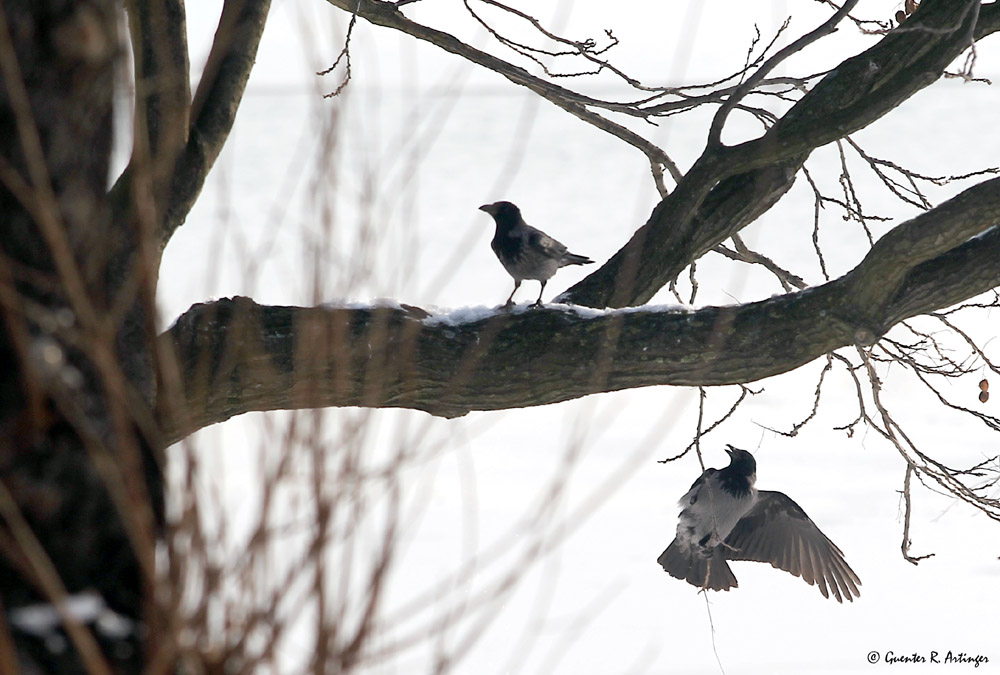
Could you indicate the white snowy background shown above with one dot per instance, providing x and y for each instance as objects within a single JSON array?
[{"x": 420, "y": 140}]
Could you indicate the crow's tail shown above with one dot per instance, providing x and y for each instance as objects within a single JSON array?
[
  {"x": 574, "y": 259},
  {"x": 692, "y": 567}
]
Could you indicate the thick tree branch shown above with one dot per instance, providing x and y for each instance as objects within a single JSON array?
[
  {"x": 734, "y": 203},
  {"x": 158, "y": 31},
  {"x": 238, "y": 356},
  {"x": 77, "y": 503},
  {"x": 163, "y": 93},
  {"x": 216, "y": 101},
  {"x": 213, "y": 112},
  {"x": 989, "y": 20},
  {"x": 924, "y": 238},
  {"x": 948, "y": 279}
]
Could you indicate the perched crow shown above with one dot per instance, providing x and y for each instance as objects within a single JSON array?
[
  {"x": 527, "y": 253},
  {"x": 724, "y": 517}
]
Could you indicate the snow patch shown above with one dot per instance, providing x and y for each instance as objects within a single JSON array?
[
  {"x": 42, "y": 619},
  {"x": 471, "y": 314},
  {"x": 377, "y": 303},
  {"x": 442, "y": 316},
  {"x": 465, "y": 315}
]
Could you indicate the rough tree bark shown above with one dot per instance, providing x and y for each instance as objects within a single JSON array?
[
  {"x": 70, "y": 347},
  {"x": 80, "y": 489}
]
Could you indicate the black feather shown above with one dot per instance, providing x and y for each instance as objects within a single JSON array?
[{"x": 525, "y": 252}]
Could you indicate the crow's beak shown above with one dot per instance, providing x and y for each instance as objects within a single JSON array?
[
  {"x": 487, "y": 207},
  {"x": 730, "y": 449}
]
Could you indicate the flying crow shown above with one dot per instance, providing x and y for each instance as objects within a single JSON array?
[{"x": 724, "y": 517}]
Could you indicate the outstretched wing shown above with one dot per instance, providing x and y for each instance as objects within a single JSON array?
[{"x": 777, "y": 531}]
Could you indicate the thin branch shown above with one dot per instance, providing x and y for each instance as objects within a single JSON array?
[
  {"x": 851, "y": 203},
  {"x": 827, "y": 27},
  {"x": 700, "y": 431},
  {"x": 585, "y": 49},
  {"x": 947, "y": 478},
  {"x": 385, "y": 14},
  {"x": 818, "y": 206},
  {"x": 944, "y": 367},
  {"x": 907, "y": 542},
  {"x": 827, "y": 367},
  {"x": 345, "y": 56},
  {"x": 862, "y": 412},
  {"x": 867, "y": 26},
  {"x": 742, "y": 253}
]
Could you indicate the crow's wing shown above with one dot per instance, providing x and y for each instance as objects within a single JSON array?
[
  {"x": 541, "y": 243},
  {"x": 777, "y": 531},
  {"x": 691, "y": 496}
]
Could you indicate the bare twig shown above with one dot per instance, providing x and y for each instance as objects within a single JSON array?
[
  {"x": 815, "y": 408},
  {"x": 827, "y": 27},
  {"x": 867, "y": 26},
  {"x": 345, "y": 55},
  {"x": 947, "y": 478},
  {"x": 905, "y": 545},
  {"x": 787, "y": 280}
]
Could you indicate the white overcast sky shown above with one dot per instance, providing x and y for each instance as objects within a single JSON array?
[{"x": 667, "y": 41}]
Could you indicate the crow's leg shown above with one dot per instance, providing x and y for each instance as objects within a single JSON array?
[
  {"x": 538, "y": 302},
  {"x": 510, "y": 300}
]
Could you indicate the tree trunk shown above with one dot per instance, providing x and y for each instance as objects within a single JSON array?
[{"x": 78, "y": 485}]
